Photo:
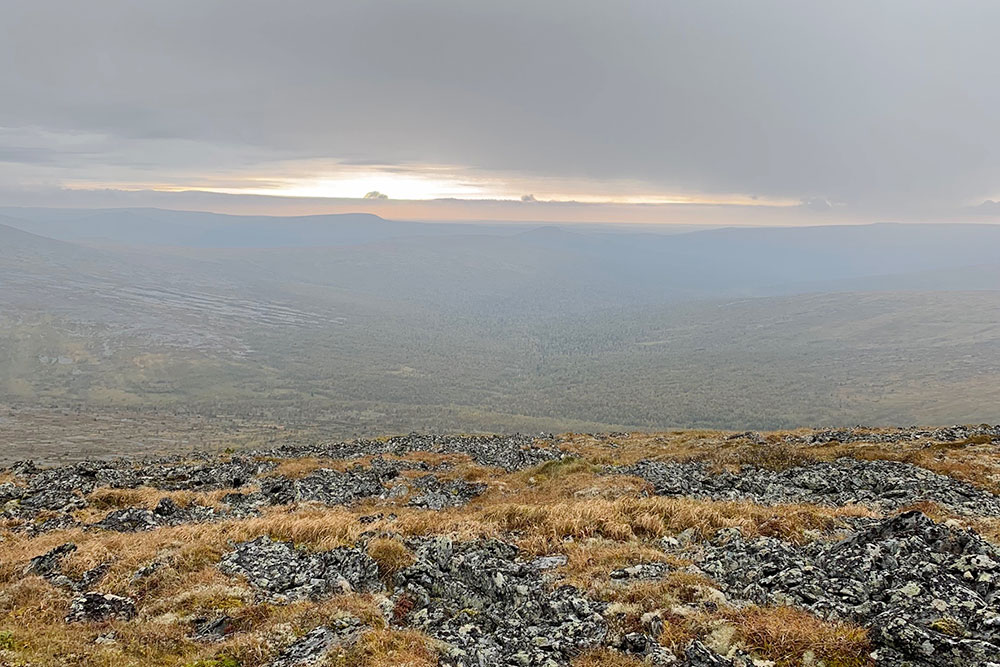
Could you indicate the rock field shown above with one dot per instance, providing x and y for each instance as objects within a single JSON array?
[{"x": 845, "y": 547}]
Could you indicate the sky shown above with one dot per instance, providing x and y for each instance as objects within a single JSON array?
[{"x": 641, "y": 111}]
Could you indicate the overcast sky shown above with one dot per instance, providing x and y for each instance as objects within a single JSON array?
[{"x": 806, "y": 111}]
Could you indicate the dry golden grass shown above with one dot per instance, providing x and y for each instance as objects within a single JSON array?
[
  {"x": 391, "y": 556},
  {"x": 392, "y": 648},
  {"x": 989, "y": 528},
  {"x": 104, "y": 498},
  {"x": 33, "y": 615},
  {"x": 192, "y": 586},
  {"x": 679, "y": 631},
  {"x": 647, "y": 518},
  {"x": 189, "y": 547},
  {"x": 976, "y": 464},
  {"x": 676, "y": 588},
  {"x": 539, "y": 528},
  {"x": 566, "y": 479},
  {"x": 447, "y": 466},
  {"x": 590, "y": 562},
  {"x": 606, "y": 658},
  {"x": 786, "y": 635}
]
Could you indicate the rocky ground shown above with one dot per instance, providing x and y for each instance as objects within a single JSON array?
[{"x": 838, "y": 548}]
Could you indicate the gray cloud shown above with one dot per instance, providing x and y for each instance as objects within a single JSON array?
[{"x": 887, "y": 106}]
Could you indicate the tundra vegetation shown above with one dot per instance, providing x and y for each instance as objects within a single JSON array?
[{"x": 839, "y": 548}]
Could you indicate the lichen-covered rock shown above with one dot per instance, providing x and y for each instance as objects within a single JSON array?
[
  {"x": 862, "y": 434},
  {"x": 245, "y": 504},
  {"x": 91, "y": 577},
  {"x": 510, "y": 452},
  {"x": 436, "y": 495},
  {"x": 329, "y": 487},
  {"x": 238, "y": 471},
  {"x": 62, "y": 521},
  {"x": 94, "y": 607},
  {"x": 929, "y": 593},
  {"x": 641, "y": 571},
  {"x": 699, "y": 655},
  {"x": 212, "y": 629},
  {"x": 882, "y": 484},
  {"x": 129, "y": 519},
  {"x": 285, "y": 573},
  {"x": 148, "y": 570},
  {"x": 166, "y": 513},
  {"x": 640, "y": 644},
  {"x": 315, "y": 646},
  {"x": 48, "y": 563},
  {"x": 64, "y": 489},
  {"x": 492, "y": 608},
  {"x": 10, "y": 491}
]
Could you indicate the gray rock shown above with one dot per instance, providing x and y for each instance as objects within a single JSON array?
[
  {"x": 285, "y": 573},
  {"x": 928, "y": 593},
  {"x": 10, "y": 491},
  {"x": 48, "y": 563},
  {"x": 881, "y": 484},
  {"x": 166, "y": 513},
  {"x": 314, "y": 646},
  {"x": 511, "y": 452},
  {"x": 437, "y": 495},
  {"x": 63, "y": 489},
  {"x": 699, "y": 655},
  {"x": 492, "y": 608},
  {"x": 862, "y": 434},
  {"x": 95, "y": 607},
  {"x": 642, "y": 571},
  {"x": 549, "y": 562},
  {"x": 329, "y": 487},
  {"x": 212, "y": 629}
]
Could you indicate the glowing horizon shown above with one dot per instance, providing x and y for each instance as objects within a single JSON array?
[{"x": 426, "y": 183}]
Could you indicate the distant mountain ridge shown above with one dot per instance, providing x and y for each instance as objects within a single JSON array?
[{"x": 649, "y": 265}]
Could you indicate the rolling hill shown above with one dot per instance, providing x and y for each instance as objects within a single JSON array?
[{"x": 360, "y": 321}]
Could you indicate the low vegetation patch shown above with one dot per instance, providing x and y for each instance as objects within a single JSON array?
[{"x": 792, "y": 637}]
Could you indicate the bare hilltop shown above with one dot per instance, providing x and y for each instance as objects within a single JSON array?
[{"x": 804, "y": 547}]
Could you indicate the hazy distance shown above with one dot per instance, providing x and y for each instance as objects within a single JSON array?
[
  {"x": 368, "y": 325},
  {"x": 501, "y": 216}
]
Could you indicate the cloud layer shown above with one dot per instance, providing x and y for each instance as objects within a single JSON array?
[{"x": 887, "y": 107}]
